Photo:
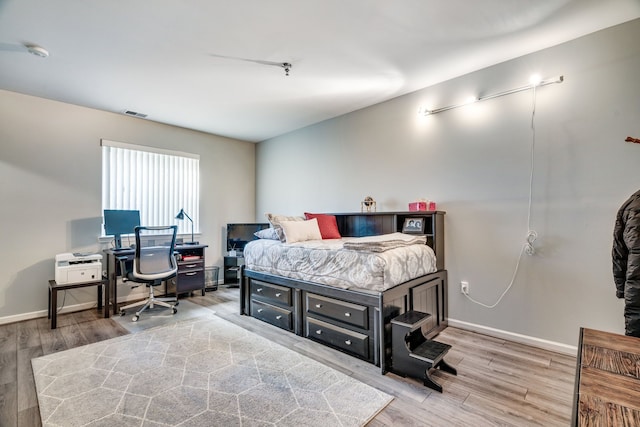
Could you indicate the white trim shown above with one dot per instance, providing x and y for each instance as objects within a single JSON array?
[
  {"x": 134, "y": 296},
  {"x": 21, "y": 317},
  {"x": 107, "y": 241},
  {"x": 43, "y": 313},
  {"x": 126, "y": 145},
  {"x": 511, "y": 336}
]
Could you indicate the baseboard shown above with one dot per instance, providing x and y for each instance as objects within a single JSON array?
[
  {"x": 43, "y": 313},
  {"x": 511, "y": 336},
  {"x": 133, "y": 296}
]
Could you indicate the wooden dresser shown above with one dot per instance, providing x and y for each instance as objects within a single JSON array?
[{"x": 607, "y": 388}]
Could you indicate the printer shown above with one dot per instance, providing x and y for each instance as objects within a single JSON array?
[{"x": 78, "y": 267}]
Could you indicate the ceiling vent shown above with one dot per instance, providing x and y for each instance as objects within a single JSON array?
[{"x": 135, "y": 114}]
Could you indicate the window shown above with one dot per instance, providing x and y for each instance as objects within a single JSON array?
[{"x": 156, "y": 182}]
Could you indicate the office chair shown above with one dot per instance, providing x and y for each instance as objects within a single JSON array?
[{"x": 154, "y": 262}]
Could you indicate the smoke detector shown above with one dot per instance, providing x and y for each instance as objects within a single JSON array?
[{"x": 36, "y": 50}]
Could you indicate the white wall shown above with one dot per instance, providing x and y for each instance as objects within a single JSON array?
[
  {"x": 475, "y": 162},
  {"x": 50, "y": 188}
]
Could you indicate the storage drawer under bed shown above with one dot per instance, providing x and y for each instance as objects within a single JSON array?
[
  {"x": 342, "y": 311},
  {"x": 276, "y": 316},
  {"x": 344, "y": 339},
  {"x": 270, "y": 292}
]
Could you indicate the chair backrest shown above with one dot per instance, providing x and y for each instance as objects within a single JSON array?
[{"x": 154, "y": 258}]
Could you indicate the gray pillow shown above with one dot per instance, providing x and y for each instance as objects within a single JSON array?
[{"x": 267, "y": 233}]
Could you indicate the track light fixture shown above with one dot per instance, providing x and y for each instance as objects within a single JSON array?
[
  {"x": 534, "y": 82},
  {"x": 287, "y": 66}
]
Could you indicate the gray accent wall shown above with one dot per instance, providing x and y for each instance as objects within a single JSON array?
[
  {"x": 475, "y": 163},
  {"x": 50, "y": 190}
]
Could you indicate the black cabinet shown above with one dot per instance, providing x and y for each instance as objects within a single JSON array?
[
  {"x": 190, "y": 269},
  {"x": 190, "y": 275},
  {"x": 232, "y": 265}
]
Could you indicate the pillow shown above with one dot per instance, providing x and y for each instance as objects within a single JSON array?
[
  {"x": 275, "y": 223},
  {"x": 327, "y": 224},
  {"x": 267, "y": 233},
  {"x": 301, "y": 231}
]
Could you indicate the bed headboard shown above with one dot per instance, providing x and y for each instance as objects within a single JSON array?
[{"x": 360, "y": 224}]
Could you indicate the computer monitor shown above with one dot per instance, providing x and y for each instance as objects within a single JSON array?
[{"x": 119, "y": 222}]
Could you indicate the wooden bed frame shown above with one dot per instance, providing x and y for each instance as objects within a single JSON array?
[{"x": 356, "y": 322}]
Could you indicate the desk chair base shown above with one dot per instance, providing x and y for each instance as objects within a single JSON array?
[{"x": 150, "y": 303}]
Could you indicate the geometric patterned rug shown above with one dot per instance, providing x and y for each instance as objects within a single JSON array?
[{"x": 197, "y": 372}]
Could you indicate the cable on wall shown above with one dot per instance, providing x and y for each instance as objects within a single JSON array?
[
  {"x": 64, "y": 298},
  {"x": 532, "y": 235}
]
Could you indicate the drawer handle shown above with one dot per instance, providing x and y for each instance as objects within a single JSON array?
[
  {"x": 319, "y": 332},
  {"x": 259, "y": 290},
  {"x": 278, "y": 294},
  {"x": 318, "y": 305},
  {"x": 260, "y": 310},
  {"x": 193, "y": 273},
  {"x": 278, "y": 317},
  {"x": 348, "y": 342},
  {"x": 347, "y": 314},
  {"x": 190, "y": 266}
]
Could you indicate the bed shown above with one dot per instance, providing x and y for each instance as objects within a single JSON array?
[{"x": 343, "y": 296}]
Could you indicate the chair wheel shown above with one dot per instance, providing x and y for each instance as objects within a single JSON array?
[
  {"x": 176, "y": 304},
  {"x": 122, "y": 313},
  {"x": 135, "y": 318},
  {"x": 174, "y": 310}
]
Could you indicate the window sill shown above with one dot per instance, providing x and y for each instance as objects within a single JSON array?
[{"x": 107, "y": 241}]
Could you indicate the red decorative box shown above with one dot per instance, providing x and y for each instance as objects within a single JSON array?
[
  {"x": 422, "y": 206},
  {"x": 418, "y": 206}
]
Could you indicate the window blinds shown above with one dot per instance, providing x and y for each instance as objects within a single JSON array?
[{"x": 156, "y": 182}]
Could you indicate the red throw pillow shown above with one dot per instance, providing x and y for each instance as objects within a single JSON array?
[{"x": 327, "y": 224}]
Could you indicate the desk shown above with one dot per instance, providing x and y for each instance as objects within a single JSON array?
[
  {"x": 190, "y": 275},
  {"x": 53, "y": 296},
  {"x": 607, "y": 387}
]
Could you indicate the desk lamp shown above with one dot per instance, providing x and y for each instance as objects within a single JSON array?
[{"x": 181, "y": 215}]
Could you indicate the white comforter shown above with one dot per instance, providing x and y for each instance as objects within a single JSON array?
[{"x": 329, "y": 263}]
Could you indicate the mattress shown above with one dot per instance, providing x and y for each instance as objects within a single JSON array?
[{"x": 329, "y": 263}]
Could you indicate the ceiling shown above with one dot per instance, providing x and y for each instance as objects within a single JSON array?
[{"x": 166, "y": 58}]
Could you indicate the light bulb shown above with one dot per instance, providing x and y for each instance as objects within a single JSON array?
[
  {"x": 535, "y": 79},
  {"x": 423, "y": 111}
]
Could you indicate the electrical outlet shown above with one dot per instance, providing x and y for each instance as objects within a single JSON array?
[{"x": 464, "y": 287}]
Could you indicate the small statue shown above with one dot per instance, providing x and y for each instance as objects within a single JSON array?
[{"x": 368, "y": 205}]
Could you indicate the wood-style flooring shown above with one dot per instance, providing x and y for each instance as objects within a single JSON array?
[{"x": 499, "y": 383}]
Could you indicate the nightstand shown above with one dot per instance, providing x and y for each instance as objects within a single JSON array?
[{"x": 232, "y": 266}]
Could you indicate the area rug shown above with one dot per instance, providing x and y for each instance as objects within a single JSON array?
[{"x": 198, "y": 372}]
